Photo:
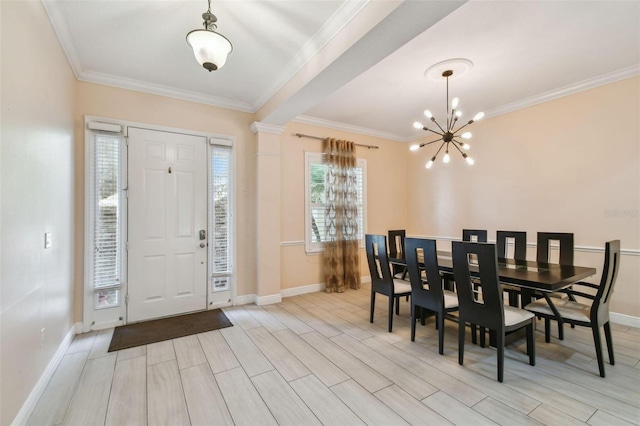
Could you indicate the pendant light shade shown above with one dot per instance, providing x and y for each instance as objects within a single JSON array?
[{"x": 209, "y": 47}]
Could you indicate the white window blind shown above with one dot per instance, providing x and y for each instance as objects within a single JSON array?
[
  {"x": 107, "y": 220},
  {"x": 315, "y": 197},
  {"x": 220, "y": 218}
]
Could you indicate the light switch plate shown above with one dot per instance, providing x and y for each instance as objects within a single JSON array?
[{"x": 47, "y": 240}]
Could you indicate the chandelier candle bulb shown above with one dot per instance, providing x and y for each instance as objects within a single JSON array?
[
  {"x": 429, "y": 163},
  {"x": 446, "y": 157},
  {"x": 479, "y": 116},
  {"x": 466, "y": 135},
  {"x": 414, "y": 147},
  {"x": 466, "y": 146},
  {"x": 428, "y": 114},
  {"x": 454, "y": 103},
  {"x": 417, "y": 125}
]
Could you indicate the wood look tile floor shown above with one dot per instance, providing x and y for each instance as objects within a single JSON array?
[{"x": 315, "y": 359}]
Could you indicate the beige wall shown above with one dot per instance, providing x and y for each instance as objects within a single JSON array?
[
  {"x": 386, "y": 196},
  {"x": 558, "y": 166},
  {"x": 37, "y": 197},
  {"x": 110, "y": 102}
]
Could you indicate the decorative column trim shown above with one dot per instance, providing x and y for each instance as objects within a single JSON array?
[{"x": 258, "y": 126}]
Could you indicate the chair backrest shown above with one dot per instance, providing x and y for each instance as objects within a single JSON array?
[
  {"x": 490, "y": 311},
  {"x": 432, "y": 297},
  {"x": 519, "y": 241},
  {"x": 378, "y": 260},
  {"x": 396, "y": 241},
  {"x": 479, "y": 234},
  {"x": 565, "y": 240},
  {"x": 600, "y": 307}
]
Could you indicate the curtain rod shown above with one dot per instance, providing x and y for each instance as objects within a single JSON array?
[{"x": 300, "y": 135}]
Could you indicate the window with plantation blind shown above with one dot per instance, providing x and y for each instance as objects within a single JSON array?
[
  {"x": 106, "y": 224},
  {"x": 220, "y": 229},
  {"x": 315, "y": 203}
]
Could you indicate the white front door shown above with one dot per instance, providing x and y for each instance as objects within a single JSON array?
[{"x": 167, "y": 224}]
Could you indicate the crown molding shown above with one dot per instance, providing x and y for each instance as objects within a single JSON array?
[
  {"x": 580, "y": 86},
  {"x": 158, "y": 89},
  {"x": 258, "y": 126},
  {"x": 324, "y": 35},
  {"x": 60, "y": 27},
  {"x": 348, "y": 128}
]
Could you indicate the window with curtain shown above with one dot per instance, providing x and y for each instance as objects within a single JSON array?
[{"x": 316, "y": 203}]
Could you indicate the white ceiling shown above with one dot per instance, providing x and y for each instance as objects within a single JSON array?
[{"x": 523, "y": 53}]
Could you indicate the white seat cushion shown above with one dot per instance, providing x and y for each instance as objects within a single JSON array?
[
  {"x": 513, "y": 316},
  {"x": 567, "y": 308},
  {"x": 450, "y": 299},
  {"x": 401, "y": 286}
]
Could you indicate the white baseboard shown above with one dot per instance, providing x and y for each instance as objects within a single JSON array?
[
  {"x": 296, "y": 291},
  {"x": 623, "y": 319},
  {"x": 245, "y": 299},
  {"x": 27, "y": 408},
  {"x": 268, "y": 300}
]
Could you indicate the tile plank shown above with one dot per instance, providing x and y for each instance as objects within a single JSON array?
[
  {"x": 410, "y": 409},
  {"x": 218, "y": 353},
  {"x": 128, "y": 400},
  {"x": 250, "y": 357},
  {"x": 454, "y": 411},
  {"x": 90, "y": 400},
  {"x": 325, "y": 404},
  {"x": 285, "y": 405},
  {"x": 204, "y": 400},
  {"x": 188, "y": 351},
  {"x": 160, "y": 352},
  {"x": 101, "y": 343},
  {"x": 365, "y": 405},
  {"x": 57, "y": 395},
  {"x": 166, "y": 399},
  {"x": 284, "y": 361},
  {"x": 243, "y": 400}
]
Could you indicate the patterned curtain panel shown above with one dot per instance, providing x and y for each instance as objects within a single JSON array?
[{"x": 341, "y": 257}]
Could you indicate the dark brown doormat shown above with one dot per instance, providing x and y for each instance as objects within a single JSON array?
[{"x": 143, "y": 333}]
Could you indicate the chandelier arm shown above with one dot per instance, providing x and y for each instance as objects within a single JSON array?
[
  {"x": 433, "y": 131},
  {"x": 458, "y": 148},
  {"x": 439, "y": 149},
  {"x": 429, "y": 143},
  {"x": 437, "y": 124},
  {"x": 461, "y": 127}
]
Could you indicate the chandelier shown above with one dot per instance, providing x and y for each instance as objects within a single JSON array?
[
  {"x": 209, "y": 47},
  {"x": 449, "y": 135}
]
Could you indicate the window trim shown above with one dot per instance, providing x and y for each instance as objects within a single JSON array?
[{"x": 318, "y": 158}]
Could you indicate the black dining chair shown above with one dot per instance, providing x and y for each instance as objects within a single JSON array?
[
  {"x": 429, "y": 295},
  {"x": 491, "y": 311},
  {"x": 593, "y": 315},
  {"x": 381, "y": 279},
  {"x": 503, "y": 239},
  {"x": 543, "y": 254},
  {"x": 396, "y": 249}
]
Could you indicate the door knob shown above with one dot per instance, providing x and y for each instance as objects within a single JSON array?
[{"x": 202, "y": 245}]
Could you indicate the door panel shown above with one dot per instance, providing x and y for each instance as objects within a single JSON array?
[{"x": 167, "y": 209}]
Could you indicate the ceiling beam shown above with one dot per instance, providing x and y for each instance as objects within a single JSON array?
[{"x": 379, "y": 30}]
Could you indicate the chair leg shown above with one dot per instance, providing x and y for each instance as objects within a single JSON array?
[
  {"x": 482, "y": 337},
  {"x": 391, "y": 300},
  {"x": 547, "y": 330},
  {"x": 440, "y": 322},
  {"x": 423, "y": 316},
  {"x": 531, "y": 343},
  {"x": 560, "y": 330},
  {"x": 474, "y": 339},
  {"x": 461, "y": 335},
  {"x": 397, "y": 305},
  {"x": 373, "y": 305},
  {"x": 607, "y": 335},
  {"x": 413, "y": 322},
  {"x": 500, "y": 350},
  {"x": 598, "y": 345}
]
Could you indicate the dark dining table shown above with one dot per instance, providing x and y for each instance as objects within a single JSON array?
[{"x": 530, "y": 276}]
